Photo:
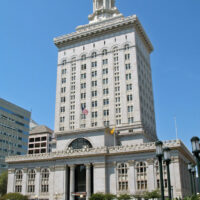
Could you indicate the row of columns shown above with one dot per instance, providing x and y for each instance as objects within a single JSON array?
[{"x": 88, "y": 181}]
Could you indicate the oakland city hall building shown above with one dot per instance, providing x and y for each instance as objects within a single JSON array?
[{"x": 104, "y": 85}]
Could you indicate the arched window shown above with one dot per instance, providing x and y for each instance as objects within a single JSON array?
[
  {"x": 104, "y": 52},
  {"x": 83, "y": 57},
  {"x": 18, "y": 181},
  {"x": 141, "y": 176},
  {"x": 31, "y": 181},
  {"x": 126, "y": 47},
  {"x": 122, "y": 170},
  {"x": 45, "y": 181},
  {"x": 80, "y": 143},
  {"x": 164, "y": 174},
  {"x": 94, "y": 55}
]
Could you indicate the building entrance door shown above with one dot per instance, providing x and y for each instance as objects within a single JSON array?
[{"x": 80, "y": 181}]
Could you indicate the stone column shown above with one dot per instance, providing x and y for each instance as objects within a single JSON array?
[
  {"x": 100, "y": 177},
  {"x": 88, "y": 181},
  {"x": 151, "y": 180},
  {"x": 24, "y": 181},
  {"x": 37, "y": 182},
  {"x": 51, "y": 182},
  {"x": 131, "y": 177},
  {"x": 72, "y": 181},
  {"x": 11, "y": 181}
]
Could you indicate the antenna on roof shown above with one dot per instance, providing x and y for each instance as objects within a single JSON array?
[{"x": 176, "y": 128}]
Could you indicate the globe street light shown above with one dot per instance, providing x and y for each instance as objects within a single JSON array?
[
  {"x": 196, "y": 152},
  {"x": 159, "y": 154},
  {"x": 167, "y": 159},
  {"x": 36, "y": 197},
  {"x": 194, "y": 178},
  {"x": 191, "y": 182}
]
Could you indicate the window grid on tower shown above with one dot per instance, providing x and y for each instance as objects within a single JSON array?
[
  {"x": 129, "y": 86},
  {"x": 72, "y": 93},
  {"x": 94, "y": 92},
  {"x": 117, "y": 85}
]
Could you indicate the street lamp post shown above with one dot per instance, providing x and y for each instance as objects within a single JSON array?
[
  {"x": 194, "y": 178},
  {"x": 159, "y": 154},
  {"x": 167, "y": 159},
  {"x": 191, "y": 182},
  {"x": 36, "y": 197},
  {"x": 196, "y": 152}
]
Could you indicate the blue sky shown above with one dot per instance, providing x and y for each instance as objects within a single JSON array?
[{"x": 28, "y": 57}]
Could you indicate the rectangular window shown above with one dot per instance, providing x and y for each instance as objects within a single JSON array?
[
  {"x": 105, "y": 71},
  {"x": 83, "y": 67},
  {"x": 117, "y": 99},
  {"x": 105, "y": 91},
  {"x": 94, "y": 104},
  {"x": 129, "y": 97},
  {"x": 117, "y": 89},
  {"x": 105, "y": 102},
  {"x": 116, "y": 78},
  {"x": 105, "y": 81},
  {"x": 127, "y": 56},
  {"x": 64, "y": 71},
  {"x": 83, "y": 76},
  {"x": 128, "y": 76},
  {"x": 94, "y": 114},
  {"x": 83, "y": 85},
  {"x": 94, "y": 93},
  {"x": 94, "y": 73},
  {"x": 94, "y": 83},
  {"x": 94, "y": 124},
  {"x": 129, "y": 87},
  {"x": 63, "y": 89},
  {"x": 106, "y": 112},
  {"x": 94, "y": 64},
  {"x": 105, "y": 61},
  {"x": 62, "y": 99},
  {"x": 130, "y": 120},
  {"x": 62, "y": 119},
  {"x": 128, "y": 66},
  {"x": 130, "y": 108},
  {"x": 83, "y": 95},
  {"x": 63, "y": 80},
  {"x": 62, "y": 109}
]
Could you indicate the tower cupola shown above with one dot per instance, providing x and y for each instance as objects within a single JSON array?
[{"x": 103, "y": 9}]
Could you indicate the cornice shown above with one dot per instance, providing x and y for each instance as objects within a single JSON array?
[
  {"x": 100, "y": 151},
  {"x": 110, "y": 25}
]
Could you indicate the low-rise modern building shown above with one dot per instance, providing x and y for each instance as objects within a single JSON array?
[
  {"x": 14, "y": 131},
  {"x": 39, "y": 140}
]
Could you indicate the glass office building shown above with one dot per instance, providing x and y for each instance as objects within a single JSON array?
[{"x": 14, "y": 131}]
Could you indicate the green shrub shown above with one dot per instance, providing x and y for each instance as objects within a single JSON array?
[
  {"x": 97, "y": 196},
  {"x": 109, "y": 196},
  {"x": 124, "y": 197},
  {"x": 155, "y": 194},
  {"x": 14, "y": 196}
]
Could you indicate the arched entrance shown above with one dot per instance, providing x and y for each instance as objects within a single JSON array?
[{"x": 81, "y": 174}]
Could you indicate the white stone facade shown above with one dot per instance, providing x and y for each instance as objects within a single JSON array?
[
  {"x": 103, "y": 67},
  {"x": 103, "y": 161}
]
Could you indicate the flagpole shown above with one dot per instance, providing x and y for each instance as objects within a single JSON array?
[{"x": 114, "y": 139}]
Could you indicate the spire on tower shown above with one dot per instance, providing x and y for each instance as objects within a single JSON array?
[{"x": 103, "y": 9}]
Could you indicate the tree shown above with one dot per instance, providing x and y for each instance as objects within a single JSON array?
[
  {"x": 14, "y": 196},
  {"x": 3, "y": 183}
]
